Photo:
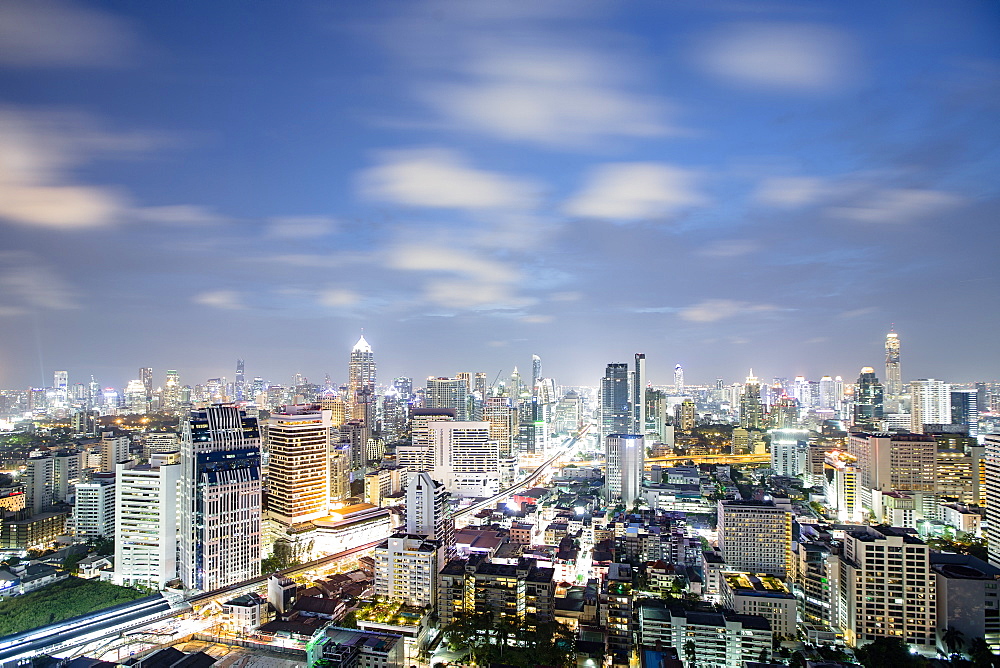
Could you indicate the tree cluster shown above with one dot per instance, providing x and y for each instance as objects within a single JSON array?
[{"x": 511, "y": 641}]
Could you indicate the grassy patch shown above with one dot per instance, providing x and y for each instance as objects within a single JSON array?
[{"x": 60, "y": 601}]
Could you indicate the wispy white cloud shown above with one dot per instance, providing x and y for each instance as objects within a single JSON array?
[
  {"x": 730, "y": 248},
  {"x": 50, "y": 33},
  {"x": 229, "y": 300},
  {"x": 802, "y": 57},
  {"x": 634, "y": 191},
  {"x": 178, "y": 214},
  {"x": 301, "y": 227},
  {"x": 713, "y": 310},
  {"x": 897, "y": 205},
  {"x": 547, "y": 95},
  {"x": 792, "y": 191},
  {"x": 338, "y": 297},
  {"x": 857, "y": 312},
  {"x": 441, "y": 179},
  {"x": 26, "y": 283},
  {"x": 38, "y": 150}
]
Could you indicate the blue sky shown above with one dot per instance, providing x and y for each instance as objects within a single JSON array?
[{"x": 722, "y": 184}]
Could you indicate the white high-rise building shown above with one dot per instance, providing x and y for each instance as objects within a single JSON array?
[
  {"x": 38, "y": 483},
  {"x": 220, "y": 498},
  {"x": 427, "y": 508},
  {"x": 678, "y": 380},
  {"x": 625, "y": 455},
  {"x": 113, "y": 448},
  {"x": 756, "y": 536},
  {"x": 418, "y": 455},
  {"x": 893, "y": 377},
  {"x": 992, "y": 457},
  {"x": 930, "y": 403},
  {"x": 637, "y": 395},
  {"x": 146, "y": 504},
  {"x": 466, "y": 459},
  {"x": 789, "y": 451},
  {"x": 94, "y": 510},
  {"x": 450, "y": 393},
  {"x": 406, "y": 569}
]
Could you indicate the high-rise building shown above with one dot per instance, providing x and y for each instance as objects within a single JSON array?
[
  {"x": 895, "y": 463},
  {"x": 298, "y": 480},
  {"x": 751, "y": 406},
  {"x": 614, "y": 411},
  {"x": 466, "y": 459},
  {"x": 418, "y": 454},
  {"x": 893, "y": 379},
  {"x": 146, "y": 377},
  {"x": 220, "y": 498},
  {"x": 965, "y": 410},
  {"x": 637, "y": 396},
  {"x": 404, "y": 386},
  {"x": 94, "y": 510},
  {"x": 828, "y": 393},
  {"x": 868, "y": 401},
  {"x": 239, "y": 387},
  {"x": 146, "y": 528},
  {"x": 789, "y": 449},
  {"x": 427, "y": 511},
  {"x": 114, "y": 449},
  {"x": 930, "y": 403},
  {"x": 172, "y": 391},
  {"x": 886, "y": 588},
  {"x": 136, "y": 401},
  {"x": 502, "y": 416},
  {"x": 406, "y": 569},
  {"x": 449, "y": 393},
  {"x": 625, "y": 456},
  {"x": 678, "y": 380},
  {"x": 38, "y": 483},
  {"x": 755, "y": 536},
  {"x": 361, "y": 382},
  {"x": 784, "y": 413},
  {"x": 992, "y": 456},
  {"x": 536, "y": 371}
]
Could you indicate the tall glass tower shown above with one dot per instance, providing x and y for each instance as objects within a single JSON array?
[
  {"x": 615, "y": 414},
  {"x": 893, "y": 380},
  {"x": 361, "y": 381}
]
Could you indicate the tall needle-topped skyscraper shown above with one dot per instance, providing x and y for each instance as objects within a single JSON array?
[
  {"x": 361, "y": 381},
  {"x": 893, "y": 379}
]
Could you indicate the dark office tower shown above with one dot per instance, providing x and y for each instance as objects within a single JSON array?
[
  {"x": 239, "y": 388},
  {"x": 983, "y": 397},
  {"x": 146, "y": 376},
  {"x": 751, "y": 406},
  {"x": 219, "y": 498},
  {"x": 965, "y": 410},
  {"x": 536, "y": 372},
  {"x": 615, "y": 415},
  {"x": 868, "y": 401},
  {"x": 637, "y": 396},
  {"x": 893, "y": 380}
]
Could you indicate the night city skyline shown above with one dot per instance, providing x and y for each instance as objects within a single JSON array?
[{"x": 724, "y": 187}]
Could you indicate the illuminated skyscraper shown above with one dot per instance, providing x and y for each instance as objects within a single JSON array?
[
  {"x": 615, "y": 415},
  {"x": 298, "y": 442},
  {"x": 146, "y": 376},
  {"x": 625, "y": 456},
  {"x": 678, "y": 379},
  {"x": 893, "y": 380},
  {"x": 868, "y": 404},
  {"x": 751, "y": 407},
  {"x": 172, "y": 391},
  {"x": 992, "y": 443},
  {"x": 536, "y": 371},
  {"x": 931, "y": 403},
  {"x": 466, "y": 459},
  {"x": 220, "y": 498},
  {"x": 965, "y": 410},
  {"x": 361, "y": 382},
  {"x": 448, "y": 393},
  {"x": 239, "y": 389},
  {"x": 637, "y": 396}
]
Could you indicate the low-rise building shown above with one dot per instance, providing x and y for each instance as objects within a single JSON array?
[
  {"x": 350, "y": 648},
  {"x": 761, "y": 594}
]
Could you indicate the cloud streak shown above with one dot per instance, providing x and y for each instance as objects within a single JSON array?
[{"x": 634, "y": 191}]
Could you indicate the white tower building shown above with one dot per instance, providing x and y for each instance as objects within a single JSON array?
[
  {"x": 931, "y": 403},
  {"x": 625, "y": 456},
  {"x": 466, "y": 459},
  {"x": 146, "y": 530}
]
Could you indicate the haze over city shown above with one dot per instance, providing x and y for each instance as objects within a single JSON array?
[{"x": 726, "y": 186}]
